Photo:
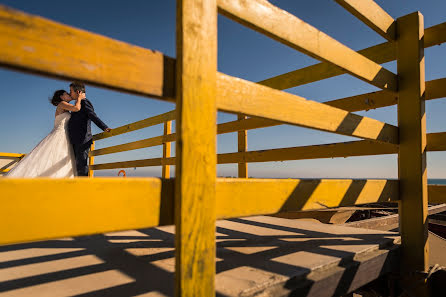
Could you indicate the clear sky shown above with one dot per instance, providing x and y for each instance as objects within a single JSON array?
[{"x": 26, "y": 115}]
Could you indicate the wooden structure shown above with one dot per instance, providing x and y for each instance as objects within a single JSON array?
[{"x": 195, "y": 198}]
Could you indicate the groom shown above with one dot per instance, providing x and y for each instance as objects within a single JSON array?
[{"x": 79, "y": 127}]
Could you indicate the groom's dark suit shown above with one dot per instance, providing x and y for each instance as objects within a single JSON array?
[{"x": 79, "y": 130}]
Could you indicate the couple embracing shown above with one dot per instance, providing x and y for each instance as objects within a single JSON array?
[{"x": 63, "y": 152}]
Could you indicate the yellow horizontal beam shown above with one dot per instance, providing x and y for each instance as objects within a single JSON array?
[
  {"x": 332, "y": 150},
  {"x": 268, "y": 19},
  {"x": 436, "y": 194},
  {"x": 4, "y": 170},
  {"x": 34, "y": 209},
  {"x": 35, "y": 44},
  {"x": 152, "y": 121},
  {"x": 10, "y": 155},
  {"x": 381, "y": 53},
  {"x": 154, "y": 141},
  {"x": 240, "y": 96},
  {"x": 37, "y": 213},
  {"x": 372, "y": 15},
  {"x": 134, "y": 163},
  {"x": 436, "y": 142}
]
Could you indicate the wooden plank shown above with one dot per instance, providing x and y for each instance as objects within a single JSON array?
[
  {"x": 91, "y": 160},
  {"x": 34, "y": 44},
  {"x": 244, "y": 197},
  {"x": 412, "y": 169},
  {"x": 245, "y": 124},
  {"x": 381, "y": 53},
  {"x": 134, "y": 163},
  {"x": 437, "y": 193},
  {"x": 240, "y": 96},
  {"x": 195, "y": 167},
  {"x": 166, "y": 149},
  {"x": 332, "y": 150},
  {"x": 436, "y": 142},
  {"x": 268, "y": 19},
  {"x": 152, "y": 121},
  {"x": 242, "y": 147},
  {"x": 30, "y": 212},
  {"x": 133, "y": 203},
  {"x": 372, "y": 15},
  {"x": 11, "y": 155},
  {"x": 134, "y": 145},
  {"x": 434, "y": 89}
]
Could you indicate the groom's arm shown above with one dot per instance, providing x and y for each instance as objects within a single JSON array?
[{"x": 92, "y": 116}]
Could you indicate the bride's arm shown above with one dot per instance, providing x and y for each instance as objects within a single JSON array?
[{"x": 68, "y": 106}]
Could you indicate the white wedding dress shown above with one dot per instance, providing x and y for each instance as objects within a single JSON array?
[{"x": 52, "y": 157}]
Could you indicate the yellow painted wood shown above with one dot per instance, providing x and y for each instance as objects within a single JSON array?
[
  {"x": 195, "y": 167},
  {"x": 152, "y": 121},
  {"x": 245, "y": 124},
  {"x": 133, "y": 203},
  {"x": 166, "y": 149},
  {"x": 436, "y": 193},
  {"x": 240, "y": 96},
  {"x": 333, "y": 150},
  {"x": 4, "y": 170},
  {"x": 134, "y": 163},
  {"x": 372, "y": 15},
  {"x": 39, "y": 209},
  {"x": 242, "y": 146},
  {"x": 38, "y": 45},
  {"x": 91, "y": 161},
  {"x": 10, "y": 155},
  {"x": 268, "y": 19},
  {"x": 436, "y": 142},
  {"x": 412, "y": 154},
  {"x": 149, "y": 142},
  {"x": 381, "y": 53},
  {"x": 245, "y": 197}
]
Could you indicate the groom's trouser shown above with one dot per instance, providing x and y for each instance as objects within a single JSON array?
[{"x": 81, "y": 154}]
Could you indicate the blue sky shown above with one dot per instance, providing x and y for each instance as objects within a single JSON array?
[{"x": 26, "y": 115}]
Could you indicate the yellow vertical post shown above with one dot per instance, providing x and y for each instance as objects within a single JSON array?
[
  {"x": 196, "y": 159},
  {"x": 166, "y": 149},
  {"x": 242, "y": 141},
  {"x": 91, "y": 161},
  {"x": 412, "y": 149}
]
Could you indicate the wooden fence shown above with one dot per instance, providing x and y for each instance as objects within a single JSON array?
[{"x": 195, "y": 198}]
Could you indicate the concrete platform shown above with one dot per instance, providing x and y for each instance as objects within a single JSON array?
[{"x": 256, "y": 256}]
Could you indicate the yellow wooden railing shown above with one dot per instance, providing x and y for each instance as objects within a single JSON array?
[
  {"x": 195, "y": 198},
  {"x": 8, "y": 160}
]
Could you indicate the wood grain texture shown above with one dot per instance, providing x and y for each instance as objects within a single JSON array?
[
  {"x": 372, "y": 15},
  {"x": 412, "y": 169},
  {"x": 381, "y": 53},
  {"x": 195, "y": 167},
  {"x": 165, "y": 173},
  {"x": 268, "y": 19},
  {"x": 34, "y": 44},
  {"x": 240, "y": 96}
]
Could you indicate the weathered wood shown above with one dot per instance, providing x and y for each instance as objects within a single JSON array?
[
  {"x": 332, "y": 150},
  {"x": 268, "y": 19},
  {"x": 41, "y": 46},
  {"x": 166, "y": 149},
  {"x": 35, "y": 213},
  {"x": 242, "y": 147},
  {"x": 437, "y": 193},
  {"x": 412, "y": 169},
  {"x": 372, "y": 15},
  {"x": 195, "y": 166},
  {"x": 381, "y": 53},
  {"x": 240, "y": 96},
  {"x": 152, "y": 121},
  {"x": 91, "y": 160}
]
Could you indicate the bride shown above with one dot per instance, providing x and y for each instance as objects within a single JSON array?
[{"x": 53, "y": 156}]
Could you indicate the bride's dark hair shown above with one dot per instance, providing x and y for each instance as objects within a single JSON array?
[{"x": 56, "y": 97}]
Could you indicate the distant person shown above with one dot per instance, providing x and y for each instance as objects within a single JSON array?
[
  {"x": 53, "y": 156},
  {"x": 79, "y": 127}
]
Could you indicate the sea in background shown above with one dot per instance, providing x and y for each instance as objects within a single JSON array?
[{"x": 436, "y": 181}]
